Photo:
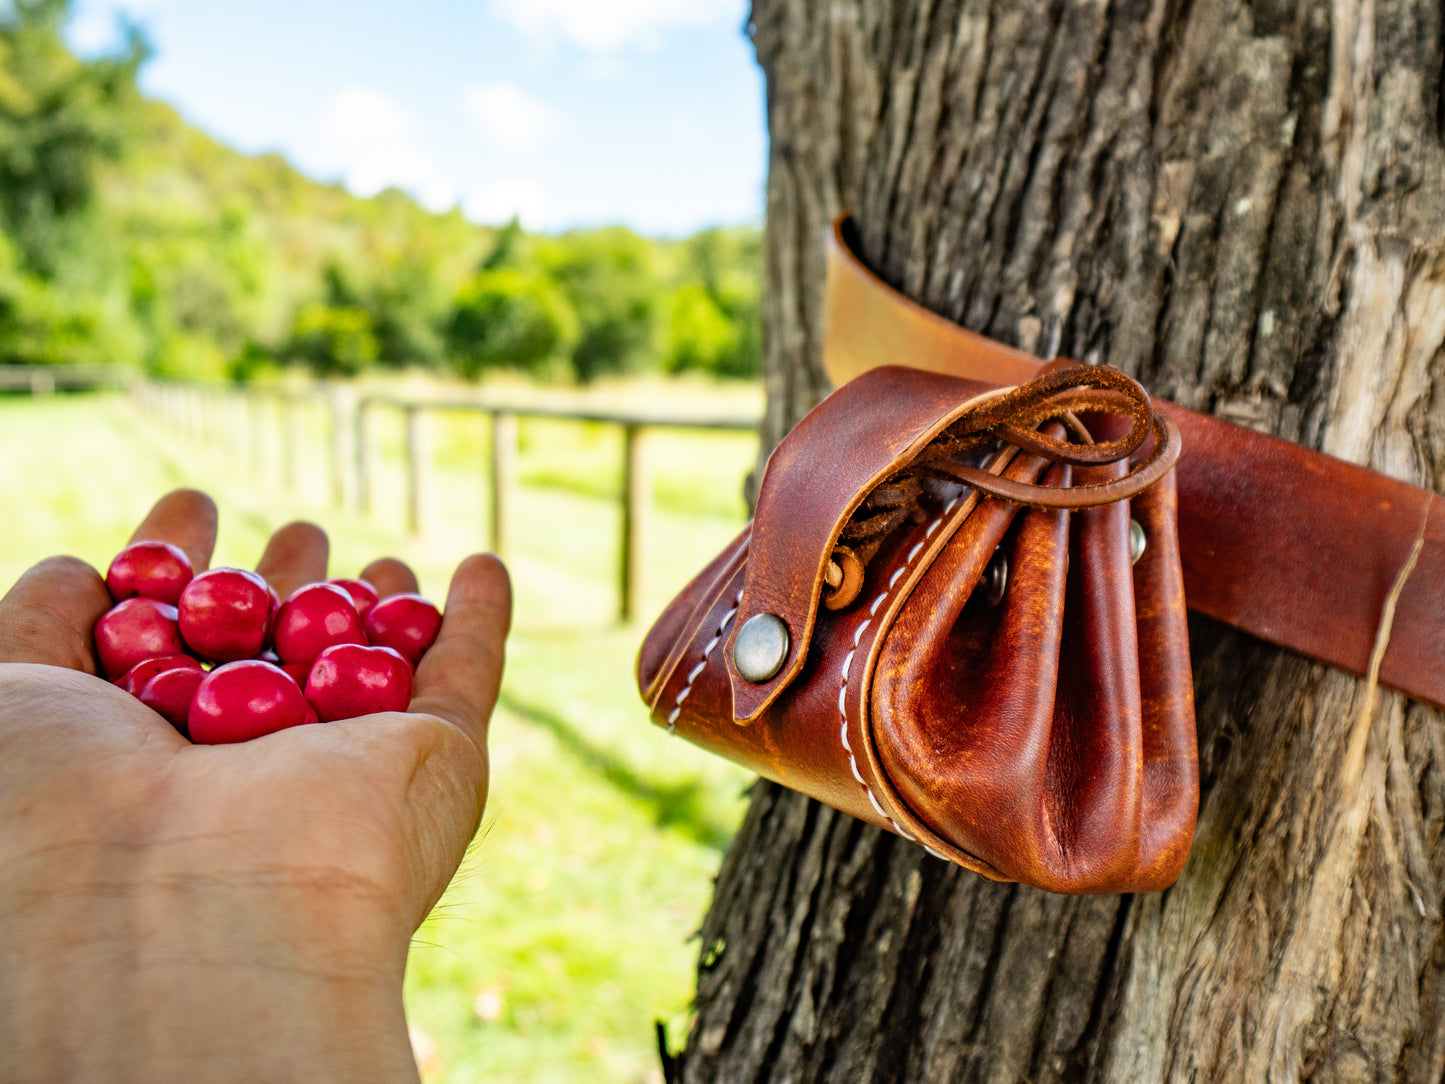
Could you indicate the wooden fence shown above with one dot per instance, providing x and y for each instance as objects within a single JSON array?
[
  {"x": 43, "y": 380},
  {"x": 198, "y": 411}
]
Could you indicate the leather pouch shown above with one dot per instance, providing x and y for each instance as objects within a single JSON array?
[{"x": 958, "y": 614}]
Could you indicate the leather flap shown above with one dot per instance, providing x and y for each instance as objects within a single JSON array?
[{"x": 815, "y": 479}]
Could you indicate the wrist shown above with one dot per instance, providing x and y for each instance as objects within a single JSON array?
[{"x": 110, "y": 982}]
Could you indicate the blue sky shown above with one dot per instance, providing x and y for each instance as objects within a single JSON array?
[{"x": 567, "y": 112}]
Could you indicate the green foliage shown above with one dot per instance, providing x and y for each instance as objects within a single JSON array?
[
  {"x": 128, "y": 237},
  {"x": 715, "y": 315},
  {"x": 610, "y": 278},
  {"x": 59, "y": 118},
  {"x": 511, "y": 318},
  {"x": 699, "y": 334},
  {"x": 335, "y": 340}
]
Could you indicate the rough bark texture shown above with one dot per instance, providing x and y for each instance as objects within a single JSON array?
[{"x": 1244, "y": 206}]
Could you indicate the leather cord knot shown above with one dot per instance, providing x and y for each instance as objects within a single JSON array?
[{"x": 1040, "y": 418}]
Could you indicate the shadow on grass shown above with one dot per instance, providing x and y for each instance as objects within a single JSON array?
[{"x": 679, "y": 807}]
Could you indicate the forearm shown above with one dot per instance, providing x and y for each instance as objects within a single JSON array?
[{"x": 115, "y": 988}]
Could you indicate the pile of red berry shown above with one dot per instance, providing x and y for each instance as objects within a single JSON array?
[{"x": 330, "y": 651}]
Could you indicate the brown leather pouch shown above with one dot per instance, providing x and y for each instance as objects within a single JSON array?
[{"x": 940, "y": 621}]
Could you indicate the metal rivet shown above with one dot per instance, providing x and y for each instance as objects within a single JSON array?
[
  {"x": 995, "y": 577},
  {"x": 761, "y": 648},
  {"x": 1138, "y": 543}
]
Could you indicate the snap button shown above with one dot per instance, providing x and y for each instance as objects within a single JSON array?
[
  {"x": 995, "y": 577},
  {"x": 761, "y": 648},
  {"x": 1138, "y": 543}
]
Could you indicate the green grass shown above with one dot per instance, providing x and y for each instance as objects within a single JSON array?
[{"x": 567, "y": 934}]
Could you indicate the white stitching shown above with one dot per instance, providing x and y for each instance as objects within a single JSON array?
[
  {"x": 876, "y": 805},
  {"x": 848, "y": 662},
  {"x": 698, "y": 669}
]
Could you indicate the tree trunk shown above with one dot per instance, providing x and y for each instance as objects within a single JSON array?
[{"x": 1242, "y": 205}]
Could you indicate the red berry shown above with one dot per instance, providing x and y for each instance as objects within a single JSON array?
[
  {"x": 406, "y": 623},
  {"x": 244, "y": 700},
  {"x": 226, "y": 614},
  {"x": 133, "y": 631},
  {"x": 350, "y": 680},
  {"x": 314, "y": 618},
  {"x": 136, "y": 677},
  {"x": 151, "y": 570},
  {"x": 171, "y": 692},
  {"x": 362, "y": 593}
]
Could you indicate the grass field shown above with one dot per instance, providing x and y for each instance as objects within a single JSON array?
[{"x": 567, "y": 933}]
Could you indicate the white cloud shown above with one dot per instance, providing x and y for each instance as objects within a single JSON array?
[
  {"x": 604, "y": 26},
  {"x": 511, "y": 118},
  {"x": 437, "y": 194},
  {"x": 374, "y": 142},
  {"x": 96, "y": 26},
  {"x": 499, "y": 201},
  {"x": 92, "y": 31}
]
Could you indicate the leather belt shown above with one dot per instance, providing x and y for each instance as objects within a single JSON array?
[{"x": 1291, "y": 545}]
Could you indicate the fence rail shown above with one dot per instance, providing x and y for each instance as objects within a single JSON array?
[
  {"x": 196, "y": 408},
  {"x": 41, "y": 380}
]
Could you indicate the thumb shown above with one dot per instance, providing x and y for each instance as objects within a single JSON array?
[{"x": 48, "y": 615}]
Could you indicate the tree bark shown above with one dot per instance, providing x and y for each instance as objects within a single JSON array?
[{"x": 1243, "y": 205}]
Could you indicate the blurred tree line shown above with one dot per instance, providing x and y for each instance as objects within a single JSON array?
[{"x": 129, "y": 238}]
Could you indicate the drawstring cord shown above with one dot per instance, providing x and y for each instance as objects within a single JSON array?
[{"x": 1018, "y": 418}]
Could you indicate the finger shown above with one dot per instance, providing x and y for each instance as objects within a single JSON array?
[
  {"x": 48, "y": 615},
  {"x": 186, "y": 518},
  {"x": 459, "y": 676},
  {"x": 296, "y": 555},
  {"x": 390, "y": 577}
]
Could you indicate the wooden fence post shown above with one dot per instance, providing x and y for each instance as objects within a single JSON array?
[
  {"x": 195, "y": 413},
  {"x": 415, "y": 454},
  {"x": 362, "y": 450},
  {"x": 256, "y": 412},
  {"x": 291, "y": 440},
  {"x": 339, "y": 399},
  {"x": 636, "y": 506},
  {"x": 504, "y": 471}
]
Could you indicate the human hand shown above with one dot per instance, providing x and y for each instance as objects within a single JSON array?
[{"x": 234, "y": 912}]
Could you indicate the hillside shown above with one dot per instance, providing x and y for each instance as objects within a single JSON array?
[{"x": 129, "y": 237}]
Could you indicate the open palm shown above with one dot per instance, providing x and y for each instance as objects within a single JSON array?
[{"x": 315, "y": 851}]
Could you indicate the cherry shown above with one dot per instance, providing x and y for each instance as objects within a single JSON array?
[
  {"x": 149, "y": 569},
  {"x": 226, "y": 614},
  {"x": 406, "y": 623},
  {"x": 350, "y": 680},
  {"x": 362, "y": 593},
  {"x": 135, "y": 678},
  {"x": 244, "y": 700},
  {"x": 313, "y": 618},
  {"x": 135, "y": 630},
  {"x": 171, "y": 692}
]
